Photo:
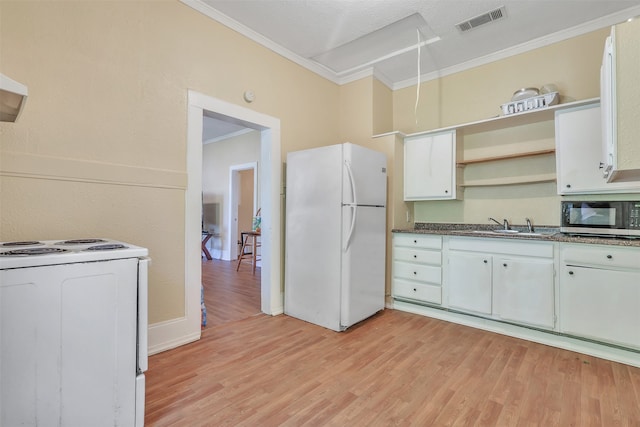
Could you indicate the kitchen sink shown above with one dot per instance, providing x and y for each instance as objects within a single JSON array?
[{"x": 512, "y": 233}]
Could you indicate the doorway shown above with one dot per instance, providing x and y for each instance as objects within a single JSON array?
[
  {"x": 270, "y": 196},
  {"x": 243, "y": 202}
]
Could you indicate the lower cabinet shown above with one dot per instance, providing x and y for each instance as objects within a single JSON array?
[
  {"x": 505, "y": 280},
  {"x": 523, "y": 291},
  {"x": 595, "y": 295},
  {"x": 600, "y": 294},
  {"x": 470, "y": 283},
  {"x": 417, "y": 268}
]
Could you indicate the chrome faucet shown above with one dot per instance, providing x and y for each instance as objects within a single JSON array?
[
  {"x": 529, "y": 225},
  {"x": 505, "y": 224}
]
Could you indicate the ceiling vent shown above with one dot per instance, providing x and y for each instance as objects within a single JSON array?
[{"x": 485, "y": 18}]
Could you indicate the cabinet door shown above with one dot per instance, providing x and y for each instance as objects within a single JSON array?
[
  {"x": 579, "y": 154},
  {"x": 523, "y": 291},
  {"x": 600, "y": 304},
  {"x": 470, "y": 282},
  {"x": 429, "y": 167},
  {"x": 626, "y": 114}
]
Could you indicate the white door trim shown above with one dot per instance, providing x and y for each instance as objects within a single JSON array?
[
  {"x": 175, "y": 332},
  {"x": 232, "y": 225}
]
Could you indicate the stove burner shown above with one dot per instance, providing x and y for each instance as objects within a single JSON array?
[
  {"x": 107, "y": 247},
  {"x": 25, "y": 243},
  {"x": 33, "y": 251},
  {"x": 81, "y": 241}
]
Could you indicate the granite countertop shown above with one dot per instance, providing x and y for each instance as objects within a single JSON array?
[{"x": 542, "y": 233}]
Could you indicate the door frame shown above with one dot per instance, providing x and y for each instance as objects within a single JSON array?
[
  {"x": 272, "y": 301},
  {"x": 232, "y": 225}
]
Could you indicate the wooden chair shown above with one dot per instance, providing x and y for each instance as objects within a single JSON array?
[{"x": 250, "y": 244}]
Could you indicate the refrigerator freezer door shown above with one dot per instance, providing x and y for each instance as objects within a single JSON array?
[
  {"x": 313, "y": 235},
  {"x": 366, "y": 172},
  {"x": 363, "y": 264}
]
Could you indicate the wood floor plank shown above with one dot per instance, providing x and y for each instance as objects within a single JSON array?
[{"x": 394, "y": 369}]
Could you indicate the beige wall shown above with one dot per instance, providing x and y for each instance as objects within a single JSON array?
[
  {"x": 100, "y": 149},
  {"x": 476, "y": 94}
]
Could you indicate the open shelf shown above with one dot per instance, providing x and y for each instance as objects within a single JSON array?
[
  {"x": 517, "y": 119},
  {"x": 531, "y": 179},
  {"x": 506, "y": 156}
]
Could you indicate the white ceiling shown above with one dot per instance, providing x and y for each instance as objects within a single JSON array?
[{"x": 344, "y": 40}]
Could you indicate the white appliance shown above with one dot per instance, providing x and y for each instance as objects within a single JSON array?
[
  {"x": 335, "y": 235},
  {"x": 73, "y": 333}
]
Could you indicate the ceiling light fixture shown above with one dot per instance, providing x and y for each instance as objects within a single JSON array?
[{"x": 391, "y": 55}]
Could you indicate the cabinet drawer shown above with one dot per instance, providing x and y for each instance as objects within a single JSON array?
[
  {"x": 424, "y": 241},
  {"x": 417, "y": 272},
  {"x": 417, "y": 291},
  {"x": 417, "y": 255},
  {"x": 511, "y": 247},
  {"x": 614, "y": 257}
]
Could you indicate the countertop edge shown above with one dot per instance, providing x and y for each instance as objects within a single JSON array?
[{"x": 550, "y": 234}]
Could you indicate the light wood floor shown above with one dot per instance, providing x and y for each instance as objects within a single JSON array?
[
  {"x": 230, "y": 295},
  {"x": 392, "y": 369}
]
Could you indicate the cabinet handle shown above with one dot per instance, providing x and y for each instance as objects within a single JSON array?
[
  {"x": 414, "y": 273},
  {"x": 446, "y": 191},
  {"x": 609, "y": 256},
  {"x": 601, "y": 165},
  {"x": 485, "y": 261},
  {"x": 415, "y": 256},
  {"x": 570, "y": 273},
  {"x": 568, "y": 185},
  {"x": 415, "y": 290},
  {"x": 415, "y": 241},
  {"x": 504, "y": 265}
]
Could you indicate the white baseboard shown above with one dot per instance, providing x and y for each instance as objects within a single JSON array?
[
  {"x": 603, "y": 351},
  {"x": 170, "y": 334}
]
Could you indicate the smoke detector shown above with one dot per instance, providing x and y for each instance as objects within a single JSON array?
[{"x": 482, "y": 19}]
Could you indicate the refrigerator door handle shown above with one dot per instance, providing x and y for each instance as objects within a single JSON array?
[
  {"x": 354, "y": 204},
  {"x": 352, "y": 181},
  {"x": 347, "y": 243}
]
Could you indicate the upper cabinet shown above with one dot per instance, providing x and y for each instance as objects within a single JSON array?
[
  {"x": 436, "y": 162},
  {"x": 430, "y": 166},
  {"x": 620, "y": 93},
  {"x": 579, "y": 162}
]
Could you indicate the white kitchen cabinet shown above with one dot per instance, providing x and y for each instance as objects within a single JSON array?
[
  {"x": 619, "y": 91},
  {"x": 469, "y": 282},
  {"x": 430, "y": 166},
  {"x": 509, "y": 280},
  {"x": 417, "y": 267},
  {"x": 600, "y": 294},
  {"x": 523, "y": 291},
  {"x": 579, "y": 159}
]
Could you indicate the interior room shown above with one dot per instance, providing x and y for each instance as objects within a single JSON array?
[{"x": 439, "y": 200}]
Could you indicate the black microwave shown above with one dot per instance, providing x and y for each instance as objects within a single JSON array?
[{"x": 619, "y": 218}]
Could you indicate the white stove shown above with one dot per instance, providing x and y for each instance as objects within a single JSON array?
[
  {"x": 49, "y": 252},
  {"x": 73, "y": 333}
]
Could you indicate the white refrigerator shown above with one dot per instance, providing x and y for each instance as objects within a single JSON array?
[{"x": 335, "y": 234}]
